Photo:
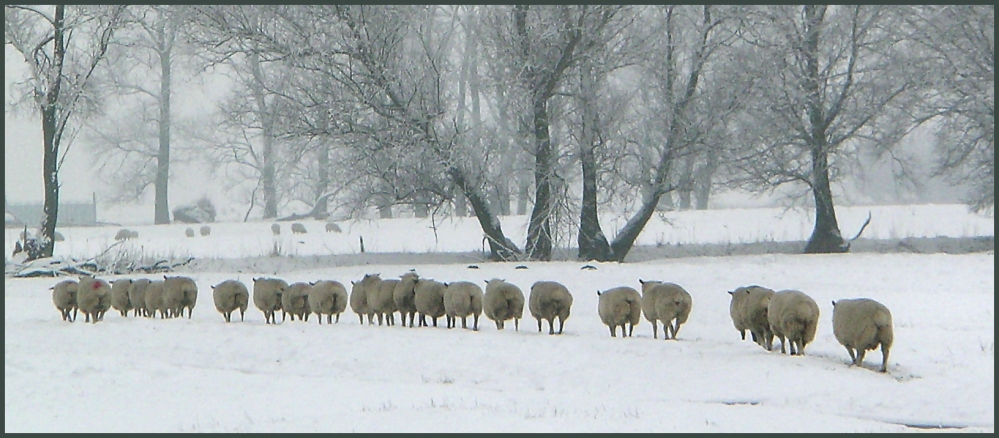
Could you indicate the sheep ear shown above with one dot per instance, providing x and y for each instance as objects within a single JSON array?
[
  {"x": 503, "y": 279},
  {"x": 486, "y": 281},
  {"x": 598, "y": 293},
  {"x": 731, "y": 293},
  {"x": 312, "y": 283},
  {"x": 351, "y": 282},
  {"x": 164, "y": 277},
  {"x": 834, "y": 303}
]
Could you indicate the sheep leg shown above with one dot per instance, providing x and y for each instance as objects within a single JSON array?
[
  {"x": 241, "y": 315},
  {"x": 74, "y": 314},
  {"x": 631, "y": 329},
  {"x": 743, "y": 333},
  {"x": 475, "y": 322},
  {"x": 539, "y": 325},
  {"x": 337, "y": 319},
  {"x": 782, "y": 342},
  {"x": 463, "y": 320},
  {"x": 499, "y": 326},
  {"x": 361, "y": 318},
  {"x": 551, "y": 326},
  {"x": 435, "y": 321},
  {"x": 884, "y": 358},
  {"x": 516, "y": 324},
  {"x": 655, "y": 330},
  {"x": 676, "y": 329},
  {"x": 561, "y": 323},
  {"x": 612, "y": 330},
  {"x": 861, "y": 352},
  {"x": 87, "y": 314}
]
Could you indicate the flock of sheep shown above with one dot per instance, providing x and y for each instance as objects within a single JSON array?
[{"x": 792, "y": 316}]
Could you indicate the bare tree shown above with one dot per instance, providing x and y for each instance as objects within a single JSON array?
[
  {"x": 830, "y": 79},
  {"x": 960, "y": 43},
  {"x": 62, "y": 46}
]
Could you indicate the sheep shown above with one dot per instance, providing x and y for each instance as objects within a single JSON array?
[
  {"x": 327, "y": 297},
  {"x": 295, "y": 301},
  {"x": 359, "y": 296},
  {"x": 205, "y": 230},
  {"x": 298, "y": 228},
  {"x": 669, "y": 303},
  {"x": 503, "y": 301},
  {"x": 381, "y": 301},
  {"x": 179, "y": 293},
  {"x": 330, "y": 226},
  {"x": 267, "y": 296},
  {"x": 749, "y": 312},
  {"x": 137, "y": 296},
  {"x": 64, "y": 298},
  {"x": 619, "y": 306},
  {"x": 154, "y": 299},
  {"x": 429, "y": 300},
  {"x": 93, "y": 297},
  {"x": 189, "y": 232},
  {"x": 404, "y": 295},
  {"x": 861, "y": 324},
  {"x": 230, "y": 295},
  {"x": 119, "y": 296},
  {"x": 549, "y": 300},
  {"x": 461, "y": 299},
  {"x": 794, "y": 316},
  {"x": 124, "y": 234}
]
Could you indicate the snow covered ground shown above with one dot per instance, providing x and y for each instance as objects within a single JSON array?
[{"x": 203, "y": 375}]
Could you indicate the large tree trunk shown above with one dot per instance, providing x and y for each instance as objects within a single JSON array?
[
  {"x": 825, "y": 237},
  {"x": 539, "y": 229},
  {"x": 500, "y": 247},
  {"x": 161, "y": 214},
  {"x": 686, "y": 188},
  {"x": 267, "y": 172},
  {"x": 702, "y": 180},
  {"x": 51, "y": 137},
  {"x": 523, "y": 193},
  {"x": 592, "y": 243},
  {"x": 322, "y": 209}
]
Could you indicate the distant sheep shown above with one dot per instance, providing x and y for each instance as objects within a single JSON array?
[
  {"x": 404, "y": 295},
  {"x": 295, "y": 301},
  {"x": 125, "y": 234},
  {"x": 119, "y": 296},
  {"x": 461, "y": 299},
  {"x": 205, "y": 230},
  {"x": 230, "y": 295},
  {"x": 670, "y": 304},
  {"x": 503, "y": 301},
  {"x": 137, "y": 296},
  {"x": 189, "y": 232},
  {"x": 749, "y": 312},
  {"x": 549, "y": 300},
  {"x": 267, "y": 296},
  {"x": 93, "y": 297},
  {"x": 429, "y": 300},
  {"x": 382, "y": 302},
  {"x": 179, "y": 293},
  {"x": 154, "y": 299},
  {"x": 327, "y": 297},
  {"x": 793, "y": 315},
  {"x": 64, "y": 298},
  {"x": 359, "y": 296},
  {"x": 298, "y": 228},
  {"x": 620, "y": 306},
  {"x": 59, "y": 238},
  {"x": 330, "y": 226},
  {"x": 276, "y": 229},
  {"x": 862, "y": 324}
]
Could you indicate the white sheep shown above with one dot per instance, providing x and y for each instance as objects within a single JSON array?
[
  {"x": 404, "y": 295},
  {"x": 276, "y": 229},
  {"x": 328, "y": 297},
  {"x": 154, "y": 299},
  {"x": 64, "y": 298},
  {"x": 330, "y": 226},
  {"x": 137, "y": 296},
  {"x": 620, "y": 306},
  {"x": 668, "y": 303},
  {"x": 119, "y": 296},
  {"x": 549, "y": 300},
  {"x": 461, "y": 299},
  {"x": 749, "y": 312},
  {"x": 862, "y": 324},
  {"x": 205, "y": 230},
  {"x": 795, "y": 316},
  {"x": 267, "y": 296},
  {"x": 230, "y": 295},
  {"x": 503, "y": 301},
  {"x": 189, "y": 232},
  {"x": 298, "y": 228},
  {"x": 179, "y": 293},
  {"x": 93, "y": 297},
  {"x": 295, "y": 301},
  {"x": 429, "y": 300},
  {"x": 359, "y": 296},
  {"x": 382, "y": 302}
]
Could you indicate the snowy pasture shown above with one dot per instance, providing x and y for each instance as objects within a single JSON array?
[{"x": 203, "y": 375}]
